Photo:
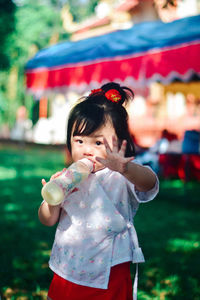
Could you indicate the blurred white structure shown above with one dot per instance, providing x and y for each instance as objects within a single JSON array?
[
  {"x": 187, "y": 8},
  {"x": 22, "y": 129},
  {"x": 53, "y": 130}
]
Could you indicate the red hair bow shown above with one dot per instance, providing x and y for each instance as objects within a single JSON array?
[
  {"x": 95, "y": 91},
  {"x": 113, "y": 95}
]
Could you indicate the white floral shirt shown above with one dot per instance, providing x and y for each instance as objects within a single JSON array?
[{"x": 95, "y": 230}]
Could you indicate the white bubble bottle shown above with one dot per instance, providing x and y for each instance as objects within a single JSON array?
[{"x": 57, "y": 189}]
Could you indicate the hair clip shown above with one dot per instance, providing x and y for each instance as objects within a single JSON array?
[
  {"x": 113, "y": 95},
  {"x": 95, "y": 91}
]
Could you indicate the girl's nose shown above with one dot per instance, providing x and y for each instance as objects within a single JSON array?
[{"x": 88, "y": 151}]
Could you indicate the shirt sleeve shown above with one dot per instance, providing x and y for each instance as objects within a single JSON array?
[{"x": 144, "y": 196}]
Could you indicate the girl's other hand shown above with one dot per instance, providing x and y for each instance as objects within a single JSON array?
[
  {"x": 115, "y": 159},
  {"x": 43, "y": 181},
  {"x": 57, "y": 174}
]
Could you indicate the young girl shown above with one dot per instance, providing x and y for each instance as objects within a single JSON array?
[{"x": 95, "y": 239}]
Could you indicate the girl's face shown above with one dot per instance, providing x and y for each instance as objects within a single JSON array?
[{"x": 92, "y": 145}]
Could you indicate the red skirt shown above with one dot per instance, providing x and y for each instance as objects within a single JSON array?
[{"x": 119, "y": 287}]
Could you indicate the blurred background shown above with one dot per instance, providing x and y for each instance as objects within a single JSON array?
[{"x": 51, "y": 53}]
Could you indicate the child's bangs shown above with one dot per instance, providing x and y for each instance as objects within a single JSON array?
[{"x": 86, "y": 126}]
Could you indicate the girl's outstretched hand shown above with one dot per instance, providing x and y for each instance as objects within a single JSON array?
[{"x": 115, "y": 159}]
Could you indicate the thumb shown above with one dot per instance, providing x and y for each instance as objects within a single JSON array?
[
  {"x": 129, "y": 159},
  {"x": 101, "y": 160},
  {"x": 43, "y": 182}
]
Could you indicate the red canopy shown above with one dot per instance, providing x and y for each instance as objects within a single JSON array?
[{"x": 147, "y": 52}]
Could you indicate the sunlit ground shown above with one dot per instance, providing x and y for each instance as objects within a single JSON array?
[{"x": 168, "y": 230}]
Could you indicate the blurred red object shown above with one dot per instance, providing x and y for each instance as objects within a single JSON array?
[
  {"x": 170, "y": 165},
  {"x": 190, "y": 167},
  {"x": 182, "y": 166},
  {"x": 170, "y": 136},
  {"x": 43, "y": 108}
]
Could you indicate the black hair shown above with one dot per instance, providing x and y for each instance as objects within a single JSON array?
[{"x": 93, "y": 111}]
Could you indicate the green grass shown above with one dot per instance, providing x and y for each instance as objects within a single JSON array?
[{"x": 168, "y": 230}]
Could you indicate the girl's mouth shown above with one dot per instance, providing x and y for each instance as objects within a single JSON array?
[{"x": 94, "y": 163}]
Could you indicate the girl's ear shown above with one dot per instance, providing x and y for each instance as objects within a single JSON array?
[{"x": 68, "y": 157}]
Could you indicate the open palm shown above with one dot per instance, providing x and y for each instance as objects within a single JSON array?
[{"x": 115, "y": 159}]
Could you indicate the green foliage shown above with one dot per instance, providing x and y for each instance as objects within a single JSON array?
[
  {"x": 3, "y": 106},
  {"x": 80, "y": 10},
  {"x": 27, "y": 26},
  {"x": 7, "y": 26},
  {"x": 35, "y": 25},
  {"x": 24, "y": 25}
]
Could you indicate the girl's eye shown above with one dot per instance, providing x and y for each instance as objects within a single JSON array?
[
  {"x": 98, "y": 143},
  {"x": 80, "y": 141}
]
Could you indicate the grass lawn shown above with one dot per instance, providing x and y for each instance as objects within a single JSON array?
[{"x": 168, "y": 230}]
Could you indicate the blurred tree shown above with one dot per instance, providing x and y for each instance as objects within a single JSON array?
[
  {"x": 26, "y": 26},
  {"x": 7, "y": 25},
  {"x": 36, "y": 23},
  {"x": 81, "y": 9}
]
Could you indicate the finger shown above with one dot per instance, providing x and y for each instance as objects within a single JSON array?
[
  {"x": 115, "y": 144},
  {"x": 43, "y": 182},
  {"x": 101, "y": 160},
  {"x": 55, "y": 175},
  {"x": 123, "y": 148},
  {"x": 107, "y": 146},
  {"x": 63, "y": 171},
  {"x": 128, "y": 159}
]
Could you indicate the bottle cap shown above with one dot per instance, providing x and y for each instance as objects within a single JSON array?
[{"x": 88, "y": 163}]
